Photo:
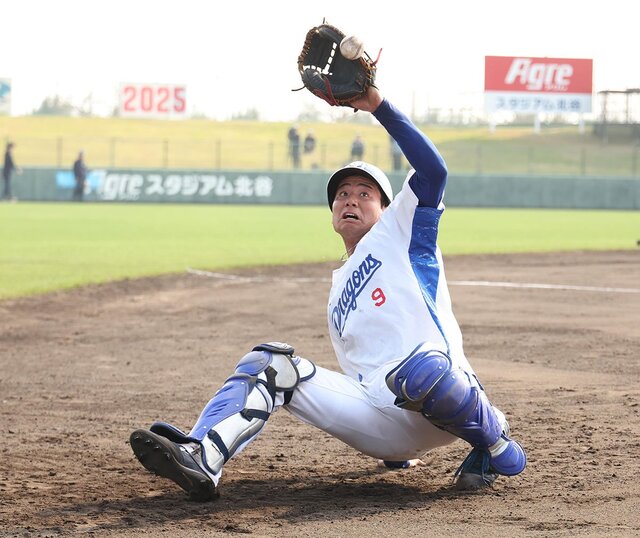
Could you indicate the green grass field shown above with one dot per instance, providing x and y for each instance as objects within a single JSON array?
[{"x": 48, "y": 247}]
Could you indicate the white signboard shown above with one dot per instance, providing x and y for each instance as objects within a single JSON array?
[{"x": 523, "y": 103}]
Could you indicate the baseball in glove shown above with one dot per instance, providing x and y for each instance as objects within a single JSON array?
[{"x": 325, "y": 72}]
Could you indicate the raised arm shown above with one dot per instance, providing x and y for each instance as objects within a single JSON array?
[{"x": 430, "y": 176}]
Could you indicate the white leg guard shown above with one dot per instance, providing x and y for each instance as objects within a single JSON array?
[{"x": 240, "y": 409}]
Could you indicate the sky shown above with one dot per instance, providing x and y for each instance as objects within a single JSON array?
[{"x": 235, "y": 56}]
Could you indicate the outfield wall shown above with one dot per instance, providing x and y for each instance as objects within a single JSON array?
[{"x": 308, "y": 187}]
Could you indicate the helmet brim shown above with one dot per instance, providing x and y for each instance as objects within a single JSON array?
[{"x": 359, "y": 168}]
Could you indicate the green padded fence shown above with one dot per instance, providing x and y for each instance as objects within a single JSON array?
[{"x": 308, "y": 187}]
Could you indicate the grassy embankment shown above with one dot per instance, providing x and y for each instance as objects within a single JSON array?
[{"x": 204, "y": 144}]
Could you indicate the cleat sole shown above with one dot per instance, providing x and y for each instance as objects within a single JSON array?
[
  {"x": 474, "y": 482},
  {"x": 163, "y": 458}
]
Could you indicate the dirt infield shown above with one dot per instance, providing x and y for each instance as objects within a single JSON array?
[{"x": 79, "y": 370}]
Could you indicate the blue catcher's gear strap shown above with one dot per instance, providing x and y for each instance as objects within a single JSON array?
[
  {"x": 270, "y": 384},
  {"x": 276, "y": 347},
  {"x": 217, "y": 440},
  {"x": 404, "y": 464}
]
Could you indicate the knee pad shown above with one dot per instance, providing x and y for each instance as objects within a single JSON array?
[
  {"x": 428, "y": 382},
  {"x": 282, "y": 371},
  {"x": 415, "y": 377}
]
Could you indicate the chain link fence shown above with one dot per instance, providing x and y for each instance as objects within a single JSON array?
[{"x": 591, "y": 158}]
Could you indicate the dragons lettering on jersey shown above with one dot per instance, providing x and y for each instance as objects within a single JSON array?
[{"x": 354, "y": 287}]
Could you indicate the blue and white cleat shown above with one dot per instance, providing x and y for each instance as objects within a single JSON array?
[
  {"x": 475, "y": 471},
  {"x": 480, "y": 469}
]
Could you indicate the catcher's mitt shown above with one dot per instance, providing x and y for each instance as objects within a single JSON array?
[{"x": 327, "y": 73}]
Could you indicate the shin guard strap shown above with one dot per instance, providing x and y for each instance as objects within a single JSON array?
[
  {"x": 255, "y": 413},
  {"x": 217, "y": 440}
]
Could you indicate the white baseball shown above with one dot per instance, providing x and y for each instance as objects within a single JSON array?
[{"x": 351, "y": 47}]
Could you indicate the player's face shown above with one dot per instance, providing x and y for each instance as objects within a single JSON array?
[{"x": 356, "y": 208}]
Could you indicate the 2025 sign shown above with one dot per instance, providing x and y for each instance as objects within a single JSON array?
[{"x": 153, "y": 101}]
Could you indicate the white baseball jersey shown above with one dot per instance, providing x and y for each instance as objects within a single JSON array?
[{"x": 391, "y": 295}]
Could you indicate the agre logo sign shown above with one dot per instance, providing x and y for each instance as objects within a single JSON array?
[
  {"x": 531, "y": 84},
  {"x": 530, "y": 74},
  {"x": 539, "y": 76}
]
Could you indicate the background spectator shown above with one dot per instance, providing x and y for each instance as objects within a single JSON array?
[
  {"x": 80, "y": 175},
  {"x": 357, "y": 149},
  {"x": 294, "y": 146},
  {"x": 309, "y": 142},
  {"x": 310, "y": 148},
  {"x": 7, "y": 171}
]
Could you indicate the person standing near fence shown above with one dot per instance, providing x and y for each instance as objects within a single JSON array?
[
  {"x": 7, "y": 171},
  {"x": 310, "y": 147},
  {"x": 80, "y": 175},
  {"x": 357, "y": 149},
  {"x": 294, "y": 146}
]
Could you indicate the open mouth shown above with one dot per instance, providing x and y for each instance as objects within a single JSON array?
[{"x": 350, "y": 216}]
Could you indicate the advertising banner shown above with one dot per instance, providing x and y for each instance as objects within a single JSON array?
[
  {"x": 160, "y": 101},
  {"x": 531, "y": 85},
  {"x": 5, "y": 96},
  {"x": 170, "y": 186}
]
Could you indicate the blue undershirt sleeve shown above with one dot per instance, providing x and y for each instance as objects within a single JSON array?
[{"x": 430, "y": 177}]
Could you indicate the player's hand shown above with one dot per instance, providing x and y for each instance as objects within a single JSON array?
[{"x": 369, "y": 102}]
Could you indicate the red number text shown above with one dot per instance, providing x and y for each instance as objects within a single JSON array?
[{"x": 378, "y": 297}]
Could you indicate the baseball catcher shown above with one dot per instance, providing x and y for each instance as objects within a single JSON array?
[{"x": 406, "y": 386}]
